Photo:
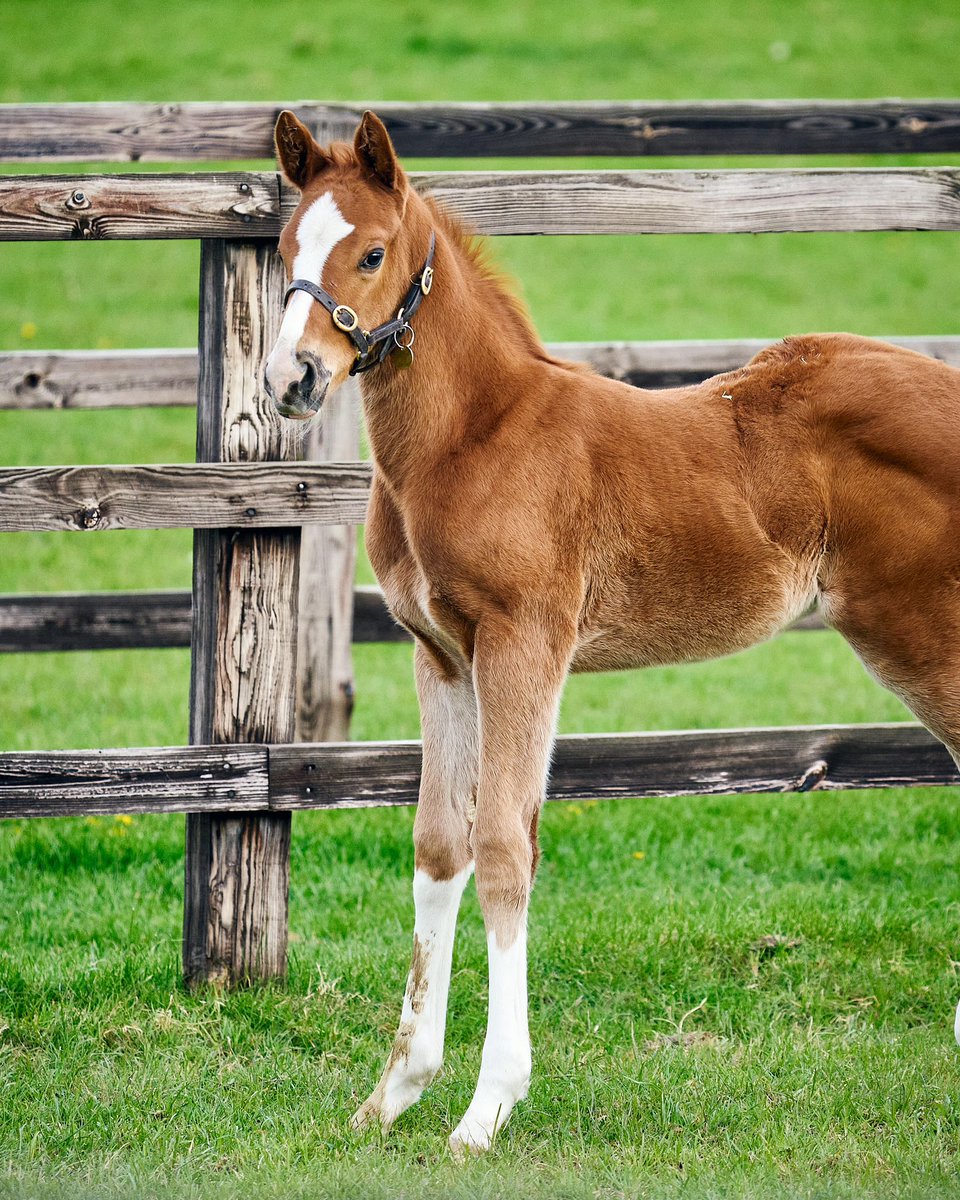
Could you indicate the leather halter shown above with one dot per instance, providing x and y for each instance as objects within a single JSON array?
[{"x": 374, "y": 345}]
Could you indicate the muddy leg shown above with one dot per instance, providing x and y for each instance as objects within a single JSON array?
[{"x": 443, "y": 864}]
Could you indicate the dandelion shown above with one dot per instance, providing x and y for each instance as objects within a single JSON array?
[
  {"x": 28, "y": 331},
  {"x": 639, "y": 855},
  {"x": 123, "y": 819}
]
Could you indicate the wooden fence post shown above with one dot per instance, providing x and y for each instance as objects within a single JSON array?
[
  {"x": 328, "y": 555},
  {"x": 245, "y": 594}
]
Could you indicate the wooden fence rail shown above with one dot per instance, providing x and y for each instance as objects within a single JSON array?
[
  {"x": 223, "y": 132},
  {"x": 256, "y": 205},
  {"x": 272, "y": 779},
  {"x": 101, "y": 379},
  {"x": 151, "y": 620}
]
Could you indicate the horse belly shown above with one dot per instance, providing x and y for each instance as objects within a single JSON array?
[{"x": 693, "y": 618}]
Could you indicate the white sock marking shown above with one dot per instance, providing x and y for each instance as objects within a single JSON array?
[
  {"x": 505, "y": 1066},
  {"x": 418, "y": 1048}
]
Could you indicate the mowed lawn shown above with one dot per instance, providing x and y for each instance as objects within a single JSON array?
[{"x": 737, "y": 996}]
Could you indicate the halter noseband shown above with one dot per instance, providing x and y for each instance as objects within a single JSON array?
[{"x": 374, "y": 345}]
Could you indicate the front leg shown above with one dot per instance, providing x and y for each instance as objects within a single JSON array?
[
  {"x": 519, "y": 670},
  {"x": 443, "y": 864}
]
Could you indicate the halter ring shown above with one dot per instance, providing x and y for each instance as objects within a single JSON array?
[
  {"x": 426, "y": 280},
  {"x": 348, "y": 322}
]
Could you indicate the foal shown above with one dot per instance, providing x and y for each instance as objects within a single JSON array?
[{"x": 528, "y": 518}]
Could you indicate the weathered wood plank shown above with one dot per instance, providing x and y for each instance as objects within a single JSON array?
[
  {"x": 678, "y": 363},
  {"x": 140, "y": 132},
  {"x": 110, "y": 207},
  {"x": 248, "y": 495},
  {"x": 328, "y": 556},
  {"x": 59, "y": 783},
  {"x": 94, "y": 621},
  {"x": 244, "y": 641},
  {"x": 58, "y": 621},
  {"x": 282, "y": 778},
  {"x": 44, "y": 208},
  {"x": 604, "y": 766},
  {"x": 627, "y": 202},
  {"x": 98, "y": 379},
  {"x": 142, "y": 378}
]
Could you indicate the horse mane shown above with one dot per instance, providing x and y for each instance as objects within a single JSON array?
[{"x": 498, "y": 286}]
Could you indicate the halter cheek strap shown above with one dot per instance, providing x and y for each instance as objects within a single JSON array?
[{"x": 374, "y": 345}]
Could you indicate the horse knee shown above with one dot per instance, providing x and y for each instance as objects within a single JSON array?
[
  {"x": 504, "y": 859},
  {"x": 441, "y": 843}
]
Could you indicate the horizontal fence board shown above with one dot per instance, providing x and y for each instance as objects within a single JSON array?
[
  {"x": 149, "y": 378},
  {"x": 46, "y": 379},
  {"x": 59, "y": 621},
  {"x": 140, "y": 132},
  {"x": 679, "y": 363},
  {"x": 257, "y": 778},
  {"x": 183, "y": 496},
  {"x": 252, "y": 205},
  {"x": 94, "y": 621},
  {"x": 605, "y": 766},
  {"x": 60, "y": 783}
]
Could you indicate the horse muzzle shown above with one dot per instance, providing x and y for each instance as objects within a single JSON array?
[{"x": 297, "y": 386}]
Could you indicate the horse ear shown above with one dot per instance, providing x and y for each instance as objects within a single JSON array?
[
  {"x": 299, "y": 156},
  {"x": 375, "y": 150}
]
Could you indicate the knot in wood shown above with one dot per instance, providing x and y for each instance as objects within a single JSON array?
[
  {"x": 78, "y": 200},
  {"x": 812, "y": 777},
  {"x": 89, "y": 518}
]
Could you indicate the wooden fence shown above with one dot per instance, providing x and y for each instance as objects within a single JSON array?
[{"x": 270, "y": 527}]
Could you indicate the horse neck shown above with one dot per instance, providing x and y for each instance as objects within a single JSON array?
[{"x": 472, "y": 349}]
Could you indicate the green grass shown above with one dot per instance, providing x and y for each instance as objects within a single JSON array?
[{"x": 825, "y": 1069}]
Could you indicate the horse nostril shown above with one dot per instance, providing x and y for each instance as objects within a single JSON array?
[{"x": 309, "y": 379}]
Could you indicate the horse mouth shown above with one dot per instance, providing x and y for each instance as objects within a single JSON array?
[{"x": 297, "y": 407}]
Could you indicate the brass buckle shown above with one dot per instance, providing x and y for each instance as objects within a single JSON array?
[
  {"x": 426, "y": 280},
  {"x": 341, "y": 322}
]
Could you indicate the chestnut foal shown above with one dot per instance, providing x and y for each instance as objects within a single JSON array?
[{"x": 529, "y": 518}]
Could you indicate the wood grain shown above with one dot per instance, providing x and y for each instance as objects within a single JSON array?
[
  {"x": 98, "y": 379},
  {"x": 282, "y": 778},
  {"x": 627, "y": 202},
  {"x": 249, "y": 495},
  {"x": 244, "y": 640},
  {"x": 138, "y": 132},
  {"x": 247, "y": 204},
  {"x": 59, "y": 783},
  {"x": 604, "y": 766},
  {"x": 328, "y": 556},
  {"x": 94, "y": 621}
]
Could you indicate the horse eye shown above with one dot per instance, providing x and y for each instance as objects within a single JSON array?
[{"x": 373, "y": 260}]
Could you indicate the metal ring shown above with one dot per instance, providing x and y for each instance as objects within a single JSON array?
[
  {"x": 405, "y": 345},
  {"x": 341, "y": 322},
  {"x": 426, "y": 280}
]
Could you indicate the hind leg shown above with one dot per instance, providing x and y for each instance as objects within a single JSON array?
[{"x": 915, "y": 652}]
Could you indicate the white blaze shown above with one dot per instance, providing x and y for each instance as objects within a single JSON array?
[{"x": 321, "y": 227}]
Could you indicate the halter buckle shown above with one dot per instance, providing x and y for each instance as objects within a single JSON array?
[
  {"x": 426, "y": 280},
  {"x": 346, "y": 323}
]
